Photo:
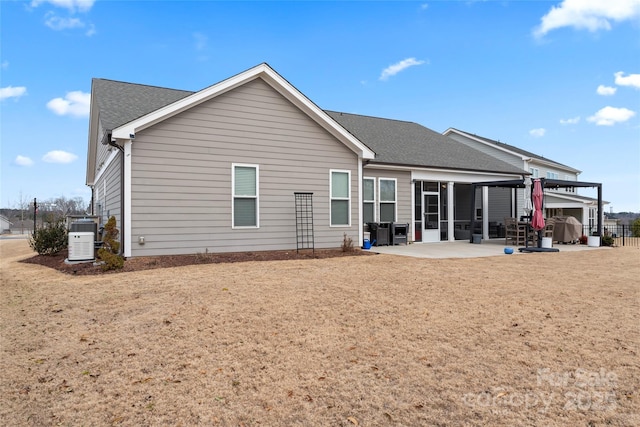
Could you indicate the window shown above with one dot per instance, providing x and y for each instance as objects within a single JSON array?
[
  {"x": 552, "y": 175},
  {"x": 535, "y": 172},
  {"x": 387, "y": 200},
  {"x": 368, "y": 200},
  {"x": 340, "y": 198},
  {"x": 245, "y": 196}
]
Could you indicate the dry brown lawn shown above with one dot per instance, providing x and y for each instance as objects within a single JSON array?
[{"x": 533, "y": 339}]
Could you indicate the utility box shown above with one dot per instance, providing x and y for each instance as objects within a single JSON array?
[
  {"x": 399, "y": 232},
  {"x": 81, "y": 246},
  {"x": 379, "y": 233}
]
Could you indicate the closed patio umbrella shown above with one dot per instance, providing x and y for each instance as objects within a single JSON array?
[
  {"x": 528, "y": 207},
  {"x": 537, "y": 221}
]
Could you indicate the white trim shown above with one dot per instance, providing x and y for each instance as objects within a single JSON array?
[
  {"x": 372, "y": 178},
  {"x": 127, "y": 198},
  {"x": 331, "y": 198},
  {"x": 395, "y": 195},
  {"x": 360, "y": 203},
  {"x": 535, "y": 172},
  {"x": 451, "y": 236},
  {"x": 105, "y": 165},
  {"x": 506, "y": 150},
  {"x": 233, "y": 195},
  {"x": 459, "y": 177},
  {"x": 270, "y": 77}
]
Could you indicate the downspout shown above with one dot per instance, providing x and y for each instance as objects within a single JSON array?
[{"x": 122, "y": 228}]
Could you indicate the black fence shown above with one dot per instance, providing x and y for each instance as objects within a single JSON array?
[{"x": 621, "y": 234}]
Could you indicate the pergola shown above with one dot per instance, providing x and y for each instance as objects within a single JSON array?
[{"x": 546, "y": 183}]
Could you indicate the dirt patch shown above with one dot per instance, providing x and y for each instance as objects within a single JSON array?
[
  {"x": 166, "y": 261},
  {"x": 534, "y": 339}
]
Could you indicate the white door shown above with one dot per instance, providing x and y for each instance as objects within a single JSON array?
[{"x": 431, "y": 217}]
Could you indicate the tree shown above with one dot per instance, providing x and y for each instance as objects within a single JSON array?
[{"x": 635, "y": 227}]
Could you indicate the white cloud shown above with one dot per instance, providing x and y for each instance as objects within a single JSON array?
[
  {"x": 71, "y": 5},
  {"x": 4, "y": 65},
  {"x": 394, "y": 69},
  {"x": 606, "y": 90},
  {"x": 91, "y": 31},
  {"x": 59, "y": 156},
  {"x": 23, "y": 161},
  {"x": 57, "y": 23},
  {"x": 608, "y": 116},
  {"x": 537, "y": 133},
  {"x": 75, "y": 104},
  {"x": 630, "y": 80},
  {"x": 592, "y": 15},
  {"x": 424, "y": 6},
  {"x": 12, "y": 92},
  {"x": 572, "y": 121},
  {"x": 200, "y": 41}
]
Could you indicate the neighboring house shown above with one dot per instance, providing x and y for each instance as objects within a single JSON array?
[
  {"x": 561, "y": 202},
  {"x": 5, "y": 224},
  {"x": 216, "y": 170}
]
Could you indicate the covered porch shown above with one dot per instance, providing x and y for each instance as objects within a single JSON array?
[{"x": 553, "y": 184}]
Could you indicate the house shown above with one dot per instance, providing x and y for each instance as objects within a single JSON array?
[
  {"x": 564, "y": 201},
  {"x": 216, "y": 170},
  {"x": 5, "y": 224}
]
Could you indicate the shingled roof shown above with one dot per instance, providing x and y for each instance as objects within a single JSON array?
[
  {"x": 121, "y": 102},
  {"x": 410, "y": 144},
  {"x": 394, "y": 142},
  {"x": 514, "y": 149}
]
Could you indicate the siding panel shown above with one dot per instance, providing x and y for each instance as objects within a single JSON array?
[{"x": 182, "y": 167}]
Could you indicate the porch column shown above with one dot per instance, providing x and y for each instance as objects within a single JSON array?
[
  {"x": 412, "y": 226},
  {"x": 450, "y": 211},
  {"x": 485, "y": 213}
]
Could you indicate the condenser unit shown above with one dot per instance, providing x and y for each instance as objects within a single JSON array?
[{"x": 81, "y": 246}]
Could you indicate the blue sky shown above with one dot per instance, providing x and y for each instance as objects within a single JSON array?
[{"x": 558, "y": 78}]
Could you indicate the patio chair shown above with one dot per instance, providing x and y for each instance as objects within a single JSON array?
[{"x": 517, "y": 233}]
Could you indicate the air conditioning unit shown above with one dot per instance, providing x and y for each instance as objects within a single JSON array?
[
  {"x": 81, "y": 246},
  {"x": 84, "y": 225}
]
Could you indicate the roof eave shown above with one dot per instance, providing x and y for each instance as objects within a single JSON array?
[{"x": 264, "y": 71}]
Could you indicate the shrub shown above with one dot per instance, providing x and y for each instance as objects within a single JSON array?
[
  {"x": 109, "y": 253},
  {"x": 583, "y": 239},
  {"x": 635, "y": 227},
  {"x": 50, "y": 239},
  {"x": 606, "y": 240},
  {"x": 110, "y": 261},
  {"x": 347, "y": 244}
]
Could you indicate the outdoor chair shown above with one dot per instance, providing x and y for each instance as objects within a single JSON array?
[{"x": 516, "y": 233}]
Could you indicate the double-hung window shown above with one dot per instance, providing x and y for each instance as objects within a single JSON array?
[
  {"x": 535, "y": 172},
  {"x": 368, "y": 200},
  {"x": 552, "y": 175},
  {"x": 340, "y": 198},
  {"x": 387, "y": 199},
  {"x": 245, "y": 196}
]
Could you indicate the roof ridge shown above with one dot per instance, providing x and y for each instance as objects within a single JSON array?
[
  {"x": 373, "y": 117},
  {"x": 142, "y": 84}
]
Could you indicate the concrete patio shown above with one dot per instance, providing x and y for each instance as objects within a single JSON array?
[{"x": 464, "y": 249}]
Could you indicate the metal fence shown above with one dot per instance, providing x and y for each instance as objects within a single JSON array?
[{"x": 622, "y": 234}]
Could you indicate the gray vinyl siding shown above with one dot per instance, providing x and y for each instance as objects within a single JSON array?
[
  {"x": 111, "y": 181},
  {"x": 403, "y": 192},
  {"x": 493, "y": 152},
  {"x": 103, "y": 151},
  {"x": 182, "y": 170}
]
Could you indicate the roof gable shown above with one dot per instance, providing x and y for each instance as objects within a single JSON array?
[
  {"x": 128, "y": 130},
  {"x": 410, "y": 144},
  {"x": 519, "y": 152}
]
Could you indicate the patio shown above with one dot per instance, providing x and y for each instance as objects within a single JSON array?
[{"x": 464, "y": 249}]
